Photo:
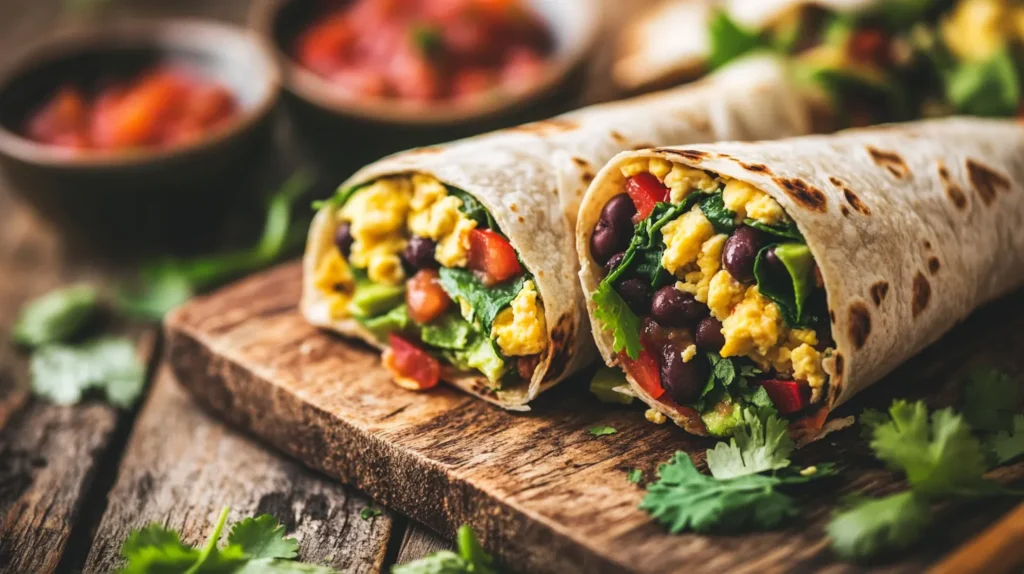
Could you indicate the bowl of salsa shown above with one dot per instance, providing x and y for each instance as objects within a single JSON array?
[
  {"x": 133, "y": 127},
  {"x": 427, "y": 62}
]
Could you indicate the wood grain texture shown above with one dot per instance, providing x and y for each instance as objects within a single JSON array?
[
  {"x": 418, "y": 542},
  {"x": 542, "y": 493},
  {"x": 182, "y": 467}
]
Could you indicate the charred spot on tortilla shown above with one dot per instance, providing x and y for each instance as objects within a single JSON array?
[
  {"x": 986, "y": 181},
  {"x": 850, "y": 196},
  {"x": 580, "y": 162},
  {"x": 860, "y": 324},
  {"x": 839, "y": 364},
  {"x": 927, "y": 244},
  {"x": 831, "y": 316},
  {"x": 890, "y": 161},
  {"x": 618, "y": 137},
  {"x": 642, "y": 146},
  {"x": 844, "y": 210},
  {"x": 953, "y": 190},
  {"x": 561, "y": 346},
  {"x": 691, "y": 155},
  {"x": 879, "y": 291},
  {"x": 756, "y": 167},
  {"x": 588, "y": 177},
  {"x": 921, "y": 295},
  {"x": 521, "y": 219},
  {"x": 513, "y": 208},
  {"x": 804, "y": 193},
  {"x": 933, "y": 265}
]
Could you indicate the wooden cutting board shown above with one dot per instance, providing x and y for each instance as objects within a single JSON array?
[{"x": 540, "y": 491}]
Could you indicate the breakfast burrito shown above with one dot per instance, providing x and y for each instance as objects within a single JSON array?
[
  {"x": 459, "y": 260},
  {"x": 793, "y": 274}
]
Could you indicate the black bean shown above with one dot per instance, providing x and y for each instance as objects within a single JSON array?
[
  {"x": 709, "y": 335},
  {"x": 637, "y": 295},
  {"x": 619, "y": 212},
  {"x": 419, "y": 253},
  {"x": 683, "y": 381},
  {"x": 674, "y": 308},
  {"x": 607, "y": 241},
  {"x": 740, "y": 253},
  {"x": 615, "y": 261},
  {"x": 343, "y": 238}
]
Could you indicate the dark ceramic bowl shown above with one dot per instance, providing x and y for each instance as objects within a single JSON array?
[
  {"x": 142, "y": 195},
  {"x": 372, "y": 127}
]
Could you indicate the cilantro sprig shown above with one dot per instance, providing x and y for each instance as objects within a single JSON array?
[
  {"x": 253, "y": 545},
  {"x": 470, "y": 559}
]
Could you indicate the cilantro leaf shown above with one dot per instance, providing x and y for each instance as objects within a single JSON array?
[
  {"x": 877, "y": 526},
  {"x": 471, "y": 559},
  {"x": 615, "y": 315},
  {"x": 756, "y": 446},
  {"x": 370, "y": 512},
  {"x": 684, "y": 499},
  {"x": 721, "y": 218},
  {"x": 263, "y": 537},
  {"x": 486, "y": 302},
  {"x": 990, "y": 88},
  {"x": 602, "y": 430},
  {"x": 63, "y": 373},
  {"x": 56, "y": 316},
  {"x": 991, "y": 398},
  {"x": 1009, "y": 445},
  {"x": 635, "y": 475},
  {"x": 169, "y": 283},
  {"x": 729, "y": 41},
  {"x": 870, "y": 419},
  {"x": 938, "y": 458}
]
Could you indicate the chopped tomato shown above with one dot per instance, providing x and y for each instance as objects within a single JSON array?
[
  {"x": 139, "y": 116},
  {"x": 323, "y": 47},
  {"x": 870, "y": 46},
  {"x": 424, "y": 296},
  {"x": 646, "y": 191},
  {"x": 472, "y": 81},
  {"x": 64, "y": 118},
  {"x": 492, "y": 255},
  {"x": 411, "y": 367},
  {"x": 787, "y": 396},
  {"x": 644, "y": 371}
]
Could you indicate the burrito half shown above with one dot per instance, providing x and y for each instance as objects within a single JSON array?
[
  {"x": 459, "y": 260},
  {"x": 794, "y": 274}
]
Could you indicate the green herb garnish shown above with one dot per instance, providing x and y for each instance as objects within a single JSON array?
[
  {"x": 64, "y": 373},
  {"x": 471, "y": 559},
  {"x": 56, "y": 316},
  {"x": 602, "y": 430}
]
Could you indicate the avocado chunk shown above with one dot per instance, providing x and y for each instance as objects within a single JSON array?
[
  {"x": 373, "y": 299},
  {"x": 723, "y": 418},
  {"x": 603, "y": 385}
]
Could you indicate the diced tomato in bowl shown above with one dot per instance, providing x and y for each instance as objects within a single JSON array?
[
  {"x": 411, "y": 367},
  {"x": 492, "y": 257}
]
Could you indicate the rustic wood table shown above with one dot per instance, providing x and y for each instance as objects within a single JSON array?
[{"x": 74, "y": 481}]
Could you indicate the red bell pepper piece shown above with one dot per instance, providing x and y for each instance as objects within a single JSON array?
[
  {"x": 411, "y": 367},
  {"x": 644, "y": 370},
  {"x": 787, "y": 396},
  {"x": 646, "y": 191},
  {"x": 424, "y": 297},
  {"x": 493, "y": 256}
]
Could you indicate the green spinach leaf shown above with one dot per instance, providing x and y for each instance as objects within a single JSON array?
[
  {"x": 782, "y": 232},
  {"x": 791, "y": 291},
  {"x": 486, "y": 302},
  {"x": 721, "y": 218},
  {"x": 990, "y": 88},
  {"x": 474, "y": 209},
  {"x": 729, "y": 41}
]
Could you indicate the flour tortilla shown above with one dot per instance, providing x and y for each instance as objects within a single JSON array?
[
  {"x": 533, "y": 177},
  {"x": 913, "y": 226}
]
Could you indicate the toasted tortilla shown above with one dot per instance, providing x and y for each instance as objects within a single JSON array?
[
  {"x": 532, "y": 179},
  {"x": 913, "y": 226}
]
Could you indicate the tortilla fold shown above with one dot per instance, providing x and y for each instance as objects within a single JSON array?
[
  {"x": 913, "y": 226},
  {"x": 532, "y": 179}
]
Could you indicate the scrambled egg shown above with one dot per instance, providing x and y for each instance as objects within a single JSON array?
[
  {"x": 747, "y": 201},
  {"x": 753, "y": 328},
  {"x": 520, "y": 329},
  {"x": 709, "y": 262},
  {"x": 977, "y": 29},
  {"x": 724, "y": 293},
  {"x": 655, "y": 416},
  {"x": 334, "y": 279},
  {"x": 684, "y": 237},
  {"x": 689, "y": 352},
  {"x": 681, "y": 180},
  {"x": 436, "y": 215},
  {"x": 377, "y": 215}
]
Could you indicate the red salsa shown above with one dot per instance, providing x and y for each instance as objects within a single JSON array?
[
  {"x": 426, "y": 50},
  {"x": 163, "y": 107}
]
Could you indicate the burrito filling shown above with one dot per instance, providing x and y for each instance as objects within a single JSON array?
[
  {"x": 712, "y": 295},
  {"x": 425, "y": 268}
]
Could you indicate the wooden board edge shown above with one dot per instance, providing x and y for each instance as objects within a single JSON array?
[{"x": 410, "y": 484}]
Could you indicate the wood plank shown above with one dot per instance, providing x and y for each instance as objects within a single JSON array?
[
  {"x": 418, "y": 542},
  {"x": 542, "y": 493},
  {"x": 181, "y": 467}
]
